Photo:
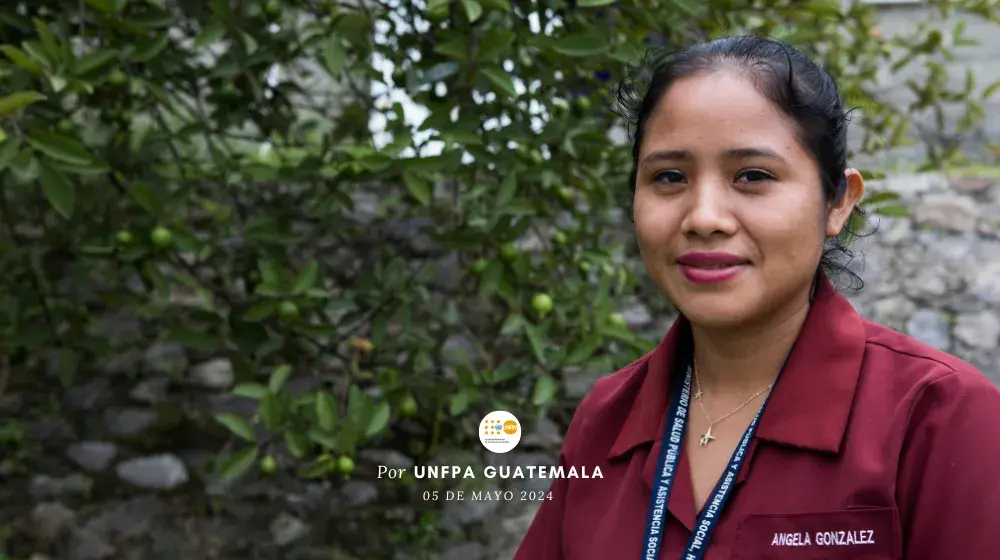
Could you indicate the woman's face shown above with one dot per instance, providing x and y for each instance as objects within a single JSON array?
[{"x": 729, "y": 212}]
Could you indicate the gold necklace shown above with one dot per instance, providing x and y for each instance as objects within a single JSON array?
[{"x": 707, "y": 437}]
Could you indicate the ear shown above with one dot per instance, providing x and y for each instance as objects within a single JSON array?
[{"x": 840, "y": 211}]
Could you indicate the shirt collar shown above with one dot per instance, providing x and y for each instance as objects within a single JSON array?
[{"x": 809, "y": 406}]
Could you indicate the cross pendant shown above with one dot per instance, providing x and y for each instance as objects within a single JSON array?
[{"x": 707, "y": 437}]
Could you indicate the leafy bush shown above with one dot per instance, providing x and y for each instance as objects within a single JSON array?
[{"x": 210, "y": 166}]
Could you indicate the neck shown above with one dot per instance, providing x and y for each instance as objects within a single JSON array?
[{"x": 735, "y": 361}]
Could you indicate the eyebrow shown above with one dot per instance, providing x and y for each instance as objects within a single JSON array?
[{"x": 735, "y": 153}]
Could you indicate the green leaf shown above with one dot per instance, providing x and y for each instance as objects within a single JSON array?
[
  {"x": 473, "y": 9},
  {"x": 326, "y": 411},
  {"x": 990, "y": 90},
  {"x": 21, "y": 58},
  {"x": 60, "y": 147},
  {"x": 254, "y": 391},
  {"x": 458, "y": 403},
  {"x": 106, "y": 6},
  {"x": 278, "y": 378},
  {"x": 9, "y": 149},
  {"x": 508, "y": 189},
  {"x": 580, "y": 45},
  {"x": 493, "y": 43},
  {"x": 238, "y": 463},
  {"x": 594, "y": 3},
  {"x": 418, "y": 187},
  {"x": 307, "y": 278},
  {"x": 893, "y": 211},
  {"x": 49, "y": 42},
  {"x": 58, "y": 190},
  {"x": 150, "y": 49},
  {"x": 880, "y": 197},
  {"x": 319, "y": 468},
  {"x": 512, "y": 324},
  {"x": 271, "y": 411},
  {"x": 238, "y": 425},
  {"x": 379, "y": 419},
  {"x": 261, "y": 310},
  {"x": 334, "y": 57},
  {"x": 323, "y": 439},
  {"x": 296, "y": 443},
  {"x": 94, "y": 61},
  {"x": 18, "y": 101},
  {"x": 501, "y": 79},
  {"x": 584, "y": 350},
  {"x": 545, "y": 390},
  {"x": 535, "y": 339},
  {"x": 210, "y": 34}
]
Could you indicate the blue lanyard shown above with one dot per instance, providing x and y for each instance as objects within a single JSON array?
[{"x": 666, "y": 467}]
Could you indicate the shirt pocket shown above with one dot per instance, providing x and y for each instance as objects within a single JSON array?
[{"x": 869, "y": 533}]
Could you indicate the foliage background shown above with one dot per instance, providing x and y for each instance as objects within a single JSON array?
[{"x": 240, "y": 176}]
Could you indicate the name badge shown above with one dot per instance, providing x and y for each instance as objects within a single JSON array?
[{"x": 869, "y": 533}]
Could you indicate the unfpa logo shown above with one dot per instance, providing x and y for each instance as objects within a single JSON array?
[{"x": 499, "y": 431}]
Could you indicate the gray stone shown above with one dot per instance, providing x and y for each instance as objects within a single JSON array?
[
  {"x": 457, "y": 514},
  {"x": 930, "y": 327},
  {"x": 214, "y": 374},
  {"x": 117, "y": 325},
  {"x": 86, "y": 544},
  {"x": 359, "y": 493},
  {"x": 636, "y": 315},
  {"x": 545, "y": 433},
  {"x": 286, "y": 529},
  {"x": 92, "y": 455},
  {"x": 151, "y": 391},
  {"x": 129, "y": 421},
  {"x": 908, "y": 185},
  {"x": 464, "y": 551},
  {"x": 948, "y": 211},
  {"x": 457, "y": 349},
  {"x": 985, "y": 283},
  {"x": 50, "y": 520},
  {"x": 388, "y": 457},
  {"x": 44, "y": 487},
  {"x": 157, "y": 472},
  {"x": 979, "y": 330},
  {"x": 87, "y": 397},
  {"x": 893, "y": 312},
  {"x": 165, "y": 358},
  {"x": 577, "y": 381}
]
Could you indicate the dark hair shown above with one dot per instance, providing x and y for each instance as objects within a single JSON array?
[{"x": 789, "y": 79}]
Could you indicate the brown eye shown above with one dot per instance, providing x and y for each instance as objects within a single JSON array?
[
  {"x": 669, "y": 177},
  {"x": 754, "y": 176}
]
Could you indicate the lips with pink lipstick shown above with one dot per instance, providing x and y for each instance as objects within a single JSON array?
[{"x": 705, "y": 268}]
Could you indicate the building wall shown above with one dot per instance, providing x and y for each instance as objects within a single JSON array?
[{"x": 983, "y": 60}]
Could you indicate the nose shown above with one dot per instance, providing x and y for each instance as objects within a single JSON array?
[{"x": 709, "y": 212}]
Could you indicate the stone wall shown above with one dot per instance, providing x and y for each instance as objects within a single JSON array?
[{"x": 99, "y": 488}]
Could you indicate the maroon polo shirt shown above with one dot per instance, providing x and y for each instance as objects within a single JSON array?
[{"x": 872, "y": 446}]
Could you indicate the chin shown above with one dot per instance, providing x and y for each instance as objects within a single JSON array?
[{"x": 715, "y": 310}]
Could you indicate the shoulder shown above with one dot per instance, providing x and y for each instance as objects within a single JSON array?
[
  {"x": 924, "y": 378},
  {"x": 609, "y": 401}
]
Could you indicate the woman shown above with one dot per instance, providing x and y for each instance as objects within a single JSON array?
[{"x": 772, "y": 421}]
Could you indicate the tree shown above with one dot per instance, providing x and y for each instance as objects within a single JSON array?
[{"x": 211, "y": 167}]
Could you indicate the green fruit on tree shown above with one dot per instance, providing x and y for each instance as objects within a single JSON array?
[
  {"x": 536, "y": 156},
  {"x": 124, "y": 237},
  {"x": 542, "y": 303},
  {"x": 66, "y": 125},
  {"x": 268, "y": 465},
  {"x": 273, "y": 8},
  {"x": 583, "y": 103},
  {"x": 117, "y": 77},
  {"x": 508, "y": 251},
  {"x": 479, "y": 266},
  {"x": 616, "y": 319},
  {"x": 559, "y": 238},
  {"x": 288, "y": 311},
  {"x": 162, "y": 237},
  {"x": 566, "y": 195},
  {"x": 345, "y": 465},
  {"x": 408, "y": 408}
]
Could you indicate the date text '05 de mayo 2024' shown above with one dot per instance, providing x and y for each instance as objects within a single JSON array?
[{"x": 529, "y": 471}]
